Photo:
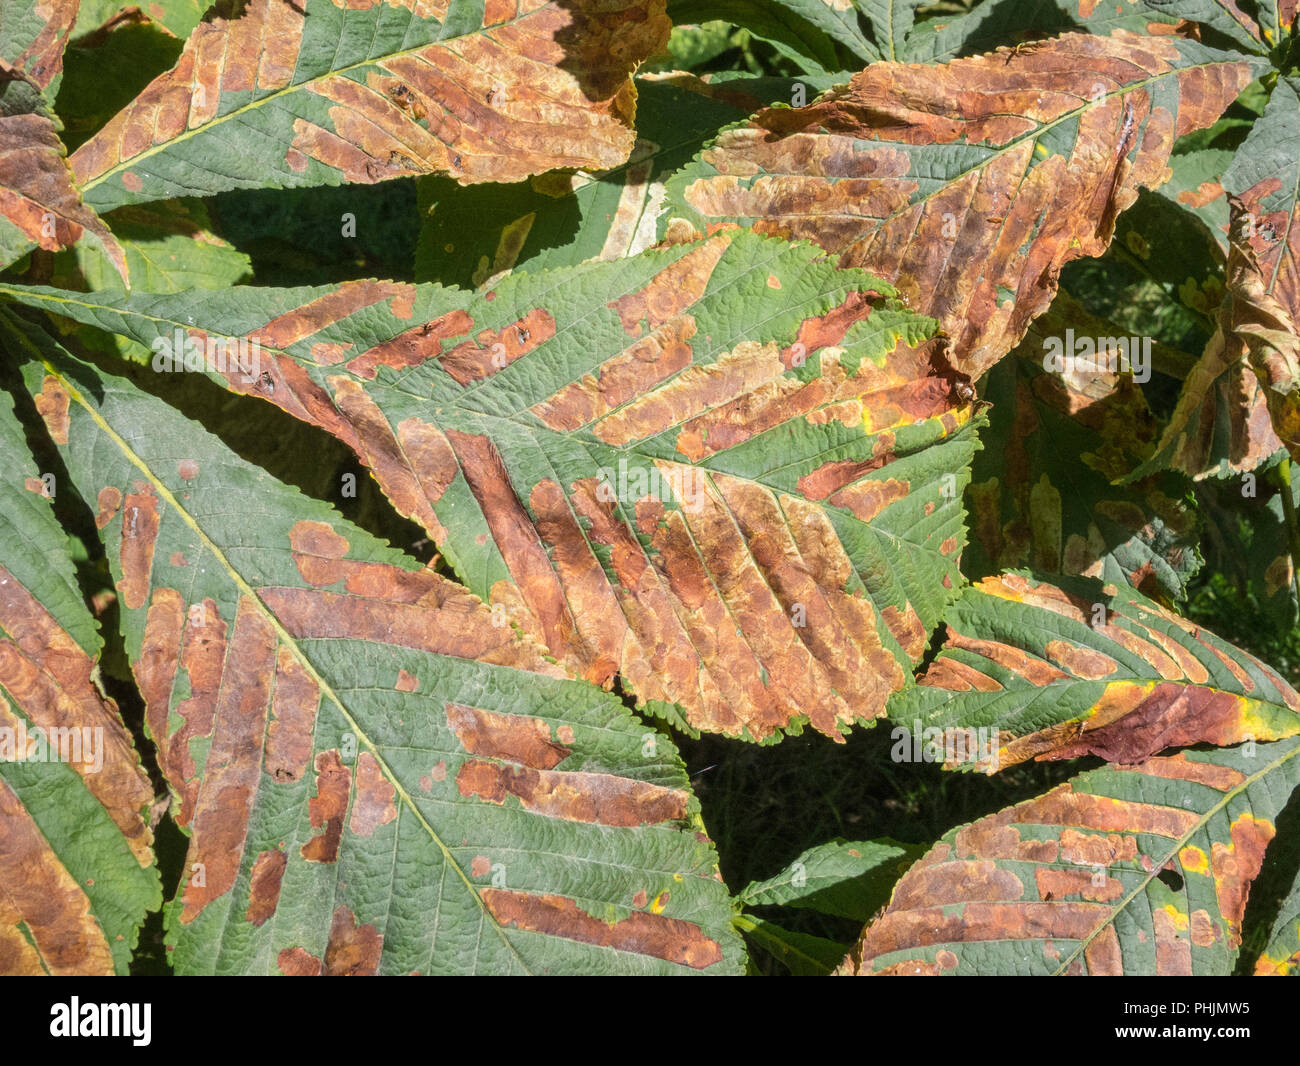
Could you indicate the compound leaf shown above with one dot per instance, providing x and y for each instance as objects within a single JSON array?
[
  {"x": 1265, "y": 176},
  {"x": 720, "y": 470},
  {"x": 33, "y": 36},
  {"x": 375, "y": 777},
  {"x": 992, "y": 23},
  {"x": 805, "y": 31},
  {"x": 1223, "y": 16}
]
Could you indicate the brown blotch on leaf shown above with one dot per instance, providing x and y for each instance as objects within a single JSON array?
[
  {"x": 293, "y": 718},
  {"x": 512, "y": 531},
  {"x": 1235, "y": 866},
  {"x": 673, "y": 289},
  {"x": 374, "y": 805},
  {"x": 229, "y": 787},
  {"x": 264, "y": 886},
  {"x": 829, "y": 329},
  {"x": 107, "y": 503},
  {"x": 188, "y": 469},
  {"x": 317, "y": 547},
  {"x": 1205, "y": 930},
  {"x": 60, "y": 935},
  {"x": 140, "y": 522},
  {"x": 1103, "y": 954},
  {"x": 1173, "y": 947},
  {"x": 414, "y": 346},
  {"x": 298, "y": 962},
  {"x": 1082, "y": 662},
  {"x": 353, "y": 950},
  {"x": 867, "y": 499},
  {"x": 574, "y": 796},
  {"x": 52, "y": 405},
  {"x": 493, "y": 350},
  {"x": 516, "y": 737},
  {"x": 1170, "y": 716},
  {"x": 1056, "y": 884},
  {"x": 327, "y": 807},
  {"x": 831, "y": 477},
  {"x": 47, "y": 676},
  {"x": 1179, "y": 767},
  {"x": 638, "y": 369},
  {"x": 665, "y": 938}
]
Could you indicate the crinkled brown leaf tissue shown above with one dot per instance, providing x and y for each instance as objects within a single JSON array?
[{"x": 516, "y": 487}]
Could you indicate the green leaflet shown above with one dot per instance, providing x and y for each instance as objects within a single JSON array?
[
  {"x": 891, "y": 21},
  {"x": 717, "y": 470},
  {"x": 76, "y": 858},
  {"x": 845, "y": 878},
  {"x": 805, "y": 32},
  {"x": 374, "y": 776},
  {"x": 169, "y": 248},
  {"x": 320, "y": 93},
  {"x": 1281, "y": 955},
  {"x": 1223, "y": 16},
  {"x": 804, "y": 955},
  {"x": 1255, "y": 552},
  {"x": 1265, "y": 175},
  {"x": 1133, "y": 869},
  {"x": 39, "y": 203},
  {"x": 33, "y": 35},
  {"x": 808, "y": 31},
  {"x": 178, "y": 16},
  {"x": 1054, "y": 671},
  {"x": 692, "y": 46},
  {"x": 471, "y": 237},
  {"x": 1013, "y": 23},
  {"x": 104, "y": 73},
  {"x": 1197, "y": 166}
]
